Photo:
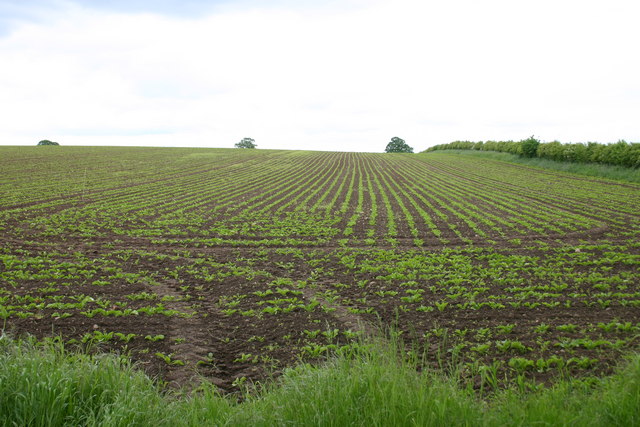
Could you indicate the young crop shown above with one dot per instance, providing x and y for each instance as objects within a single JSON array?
[{"x": 266, "y": 256}]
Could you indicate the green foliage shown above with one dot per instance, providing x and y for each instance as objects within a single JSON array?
[
  {"x": 47, "y": 142},
  {"x": 373, "y": 383},
  {"x": 529, "y": 146},
  {"x": 44, "y": 385},
  {"x": 621, "y": 153},
  {"x": 246, "y": 143},
  {"x": 397, "y": 145},
  {"x": 620, "y": 173}
]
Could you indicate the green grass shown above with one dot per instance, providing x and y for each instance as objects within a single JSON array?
[
  {"x": 43, "y": 385},
  {"x": 46, "y": 385},
  {"x": 617, "y": 173}
]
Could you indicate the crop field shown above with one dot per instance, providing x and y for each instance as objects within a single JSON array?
[{"x": 234, "y": 264}]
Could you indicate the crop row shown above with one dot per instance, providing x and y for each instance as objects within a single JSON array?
[
  {"x": 334, "y": 196},
  {"x": 237, "y": 263}
]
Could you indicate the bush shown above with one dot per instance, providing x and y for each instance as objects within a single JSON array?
[
  {"x": 621, "y": 153},
  {"x": 47, "y": 142},
  {"x": 529, "y": 146}
]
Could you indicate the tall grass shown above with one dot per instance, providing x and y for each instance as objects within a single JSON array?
[
  {"x": 369, "y": 386},
  {"x": 44, "y": 385},
  {"x": 617, "y": 173}
]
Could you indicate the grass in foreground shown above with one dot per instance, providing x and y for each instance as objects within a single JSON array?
[
  {"x": 45, "y": 385},
  {"x": 617, "y": 173}
]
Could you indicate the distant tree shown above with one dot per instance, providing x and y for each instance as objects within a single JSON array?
[
  {"x": 397, "y": 145},
  {"x": 529, "y": 147},
  {"x": 47, "y": 142},
  {"x": 246, "y": 143}
]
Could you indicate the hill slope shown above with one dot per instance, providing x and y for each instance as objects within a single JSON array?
[{"x": 234, "y": 263}]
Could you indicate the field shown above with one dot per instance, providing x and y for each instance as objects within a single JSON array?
[{"x": 233, "y": 264}]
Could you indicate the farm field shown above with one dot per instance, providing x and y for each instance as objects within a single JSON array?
[{"x": 233, "y": 264}]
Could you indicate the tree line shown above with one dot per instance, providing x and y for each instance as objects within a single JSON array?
[{"x": 621, "y": 153}]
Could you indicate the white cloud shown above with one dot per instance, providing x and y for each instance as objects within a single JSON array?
[{"x": 331, "y": 77}]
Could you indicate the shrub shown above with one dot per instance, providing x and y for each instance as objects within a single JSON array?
[{"x": 529, "y": 147}]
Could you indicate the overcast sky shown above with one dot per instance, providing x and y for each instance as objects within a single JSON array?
[{"x": 320, "y": 75}]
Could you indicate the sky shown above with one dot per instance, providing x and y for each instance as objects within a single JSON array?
[{"x": 317, "y": 75}]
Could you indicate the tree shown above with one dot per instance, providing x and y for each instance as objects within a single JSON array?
[
  {"x": 529, "y": 146},
  {"x": 47, "y": 142},
  {"x": 397, "y": 145},
  {"x": 246, "y": 143}
]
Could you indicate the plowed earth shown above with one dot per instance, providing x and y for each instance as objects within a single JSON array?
[{"x": 231, "y": 265}]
